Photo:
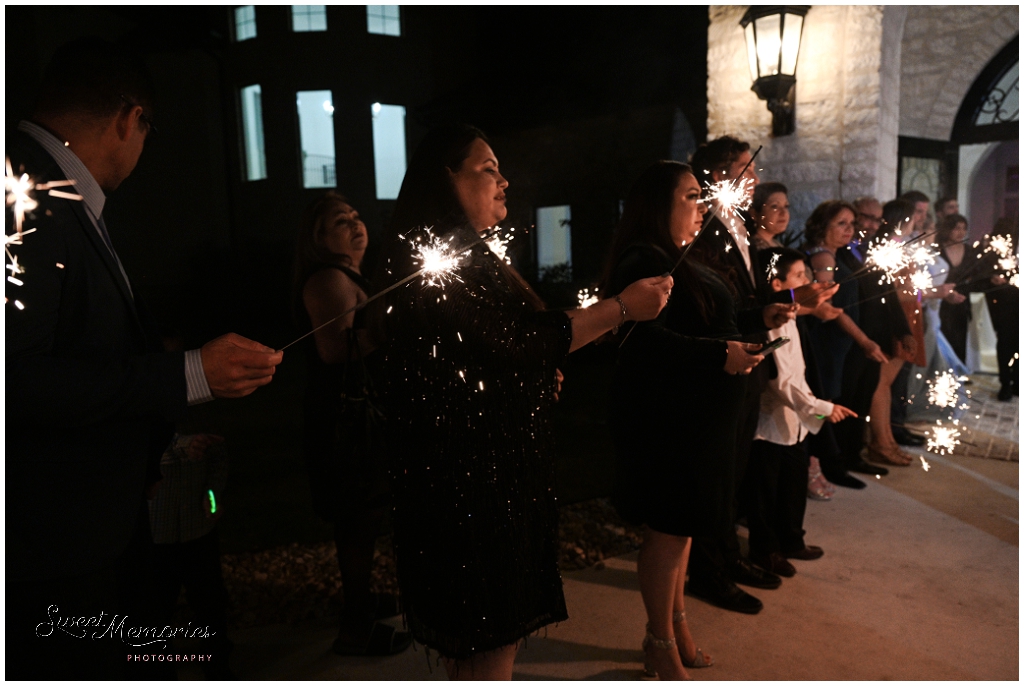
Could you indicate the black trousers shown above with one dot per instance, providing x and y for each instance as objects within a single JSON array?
[
  {"x": 860, "y": 380},
  {"x": 710, "y": 555},
  {"x": 41, "y": 643},
  {"x": 194, "y": 566},
  {"x": 776, "y": 497}
]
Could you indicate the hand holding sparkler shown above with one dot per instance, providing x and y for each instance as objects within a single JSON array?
[
  {"x": 640, "y": 301},
  {"x": 236, "y": 366},
  {"x": 777, "y": 314}
]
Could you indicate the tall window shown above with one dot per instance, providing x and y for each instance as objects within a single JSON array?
[
  {"x": 388, "y": 148},
  {"x": 316, "y": 138},
  {"x": 383, "y": 19},
  {"x": 245, "y": 22},
  {"x": 554, "y": 242},
  {"x": 252, "y": 130},
  {"x": 309, "y": 17}
]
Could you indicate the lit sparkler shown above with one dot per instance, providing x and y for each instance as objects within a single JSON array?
[
  {"x": 773, "y": 266},
  {"x": 921, "y": 280},
  {"x": 438, "y": 259},
  {"x": 943, "y": 439},
  {"x": 499, "y": 245},
  {"x": 1006, "y": 257},
  {"x": 889, "y": 257},
  {"x": 587, "y": 298},
  {"x": 730, "y": 196},
  {"x": 943, "y": 390}
]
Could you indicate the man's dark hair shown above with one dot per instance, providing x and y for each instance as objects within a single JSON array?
[
  {"x": 915, "y": 197},
  {"x": 717, "y": 155},
  {"x": 941, "y": 202},
  {"x": 894, "y": 213},
  {"x": 778, "y": 268},
  {"x": 93, "y": 78}
]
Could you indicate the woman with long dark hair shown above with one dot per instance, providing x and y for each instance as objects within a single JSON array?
[
  {"x": 342, "y": 433},
  {"x": 472, "y": 369},
  {"x": 675, "y": 403}
]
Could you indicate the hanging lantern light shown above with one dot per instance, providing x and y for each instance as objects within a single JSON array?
[{"x": 773, "y": 34}]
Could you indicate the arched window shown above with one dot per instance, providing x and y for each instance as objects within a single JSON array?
[{"x": 990, "y": 108}]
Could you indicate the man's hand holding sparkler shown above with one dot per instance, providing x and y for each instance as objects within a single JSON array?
[{"x": 236, "y": 366}]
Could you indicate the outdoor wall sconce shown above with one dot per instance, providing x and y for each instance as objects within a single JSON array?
[{"x": 773, "y": 35}]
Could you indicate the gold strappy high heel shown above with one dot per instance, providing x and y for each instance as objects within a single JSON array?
[
  {"x": 701, "y": 660},
  {"x": 652, "y": 641}
]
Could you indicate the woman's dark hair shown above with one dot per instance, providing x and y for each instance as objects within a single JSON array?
[
  {"x": 894, "y": 213},
  {"x": 787, "y": 257},
  {"x": 428, "y": 199},
  {"x": 817, "y": 224},
  {"x": 717, "y": 155},
  {"x": 310, "y": 252},
  {"x": 646, "y": 215},
  {"x": 947, "y": 225},
  {"x": 763, "y": 191}
]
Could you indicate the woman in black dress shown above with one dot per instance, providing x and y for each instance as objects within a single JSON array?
[
  {"x": 677, "y": 391},
  {"x": 955, "y": 311},
  {"x": 471, "y": 369},
  {"x": 342, "y": 425}
]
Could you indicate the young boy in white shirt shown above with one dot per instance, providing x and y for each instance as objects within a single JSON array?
[{"x": 777, "y": 472}]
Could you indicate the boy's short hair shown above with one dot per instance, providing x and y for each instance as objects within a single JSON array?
[{"x": 778, "y": 261}]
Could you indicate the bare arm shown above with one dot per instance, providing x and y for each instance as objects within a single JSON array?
[
  {"x": 642, "y": 299},
  {"x": 327, "y": 294}
]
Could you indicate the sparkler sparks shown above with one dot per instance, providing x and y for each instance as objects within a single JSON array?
[
  {"x": 889, "y": 257},
  {"x": 587, "y": 298},
  {"x": 499, "y": 245},
  {"x": 921, "y": 280},
  {"x": 438, "y": 259},
  {"x": 1006, "y": 258},
  {"x": 943, "y": 439},
  {"x": 730, "y": 195},
  {"x": 943, "y": 390},
  {"x": 924, "y": 463},
  {"x": 773, "y": 268}
]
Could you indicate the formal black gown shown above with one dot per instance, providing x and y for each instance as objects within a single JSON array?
[
  {"x": 674, "y": 409},
  {"x": 470, "y": 380}
]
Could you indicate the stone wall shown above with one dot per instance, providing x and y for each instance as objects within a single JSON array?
[
  {"x": 845, "y": 142},
  {"x": 944, "y": 49}
]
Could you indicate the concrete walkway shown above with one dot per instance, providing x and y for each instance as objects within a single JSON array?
[{"x": 920, "y": 581}]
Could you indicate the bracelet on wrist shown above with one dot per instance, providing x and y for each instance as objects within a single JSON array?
[{"x": 622, "y": 307}]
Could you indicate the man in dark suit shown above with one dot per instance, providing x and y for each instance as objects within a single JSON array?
[
  {"x": 716, "y": 564},
  {"x": 91, "y": 396}
]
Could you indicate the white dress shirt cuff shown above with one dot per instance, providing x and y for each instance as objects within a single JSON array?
[{"x": 195, "y": 379}]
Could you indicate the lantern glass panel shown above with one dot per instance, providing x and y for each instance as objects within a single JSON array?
[
  {"x": 751, "y": 50},
  {"x": 791, "y": 43},
  {"x": 769, "y": 43}
]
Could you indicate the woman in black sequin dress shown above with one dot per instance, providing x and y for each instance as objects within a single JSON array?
[{"x": 471, "y": 373}]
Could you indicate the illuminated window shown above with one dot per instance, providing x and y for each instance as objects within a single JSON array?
[
  {"x": 383, "y": 19},
  {"x": 554, "y": 239},
  {"x": 388, "y": 148},
  {"x": 255, "y": 158},
  {"x": 245, "y": 22},
  {"x": 316, "y": 138},
  {"x": 309, "y": 17}
]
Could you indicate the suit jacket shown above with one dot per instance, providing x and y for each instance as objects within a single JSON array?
[
  {"x": 752, "y": 296},
  {"x": 90, "y": 394}
]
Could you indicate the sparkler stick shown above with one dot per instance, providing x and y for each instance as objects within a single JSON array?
[
  {"x": 726, "y": 197},
  {"x": 439, "y": 261}
]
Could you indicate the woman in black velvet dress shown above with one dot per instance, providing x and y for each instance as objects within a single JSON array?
[
  {"x": 951, "y": 234},
  {"x": 675, "y": 402},
  {"x": 471, "y": 370}
]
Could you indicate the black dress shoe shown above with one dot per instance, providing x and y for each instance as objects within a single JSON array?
[
  {"x": 904, "y": 437},
  {"x": 810, "y": 552},
  {"x": 722, "y": 593},
  {"x": 847, "y": 481},
  {"x": 742, "y": 572},
  {"x": 866, "y": 468},
  {"x": 1005, "y": 392},
  {"x": 775, "y": 563}
]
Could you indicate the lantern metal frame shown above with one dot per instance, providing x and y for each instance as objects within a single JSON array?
[{"x": 779, "y": 90}]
